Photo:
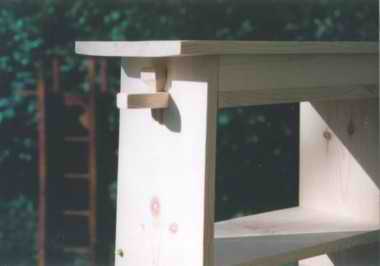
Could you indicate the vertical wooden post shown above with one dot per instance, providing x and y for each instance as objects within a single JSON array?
[
  {"x": 50, "y": 170},
  {"x": 339, "y": 169},
  {"x": 42, "y": 172},
  {"x": 167, "y": 170},
  {"x": 92, "y": 158},
  {"x": 103, "y": 76},
  {"x": 56, "y": 75}
]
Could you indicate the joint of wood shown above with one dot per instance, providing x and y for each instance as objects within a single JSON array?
[
  {"x": 158, "y": 100},
  {"x": 154, "y": 77}
]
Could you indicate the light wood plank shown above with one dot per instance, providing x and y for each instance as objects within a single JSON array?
[
  {"x": 290, "y": 221},
  {"x": 339, "y": 158},
  {"x": 363, "y": 255},
  {"x": 293, "y": 95},
  {"x": 84, "y": 251},
  {"x": 266, "y": 79},
  {"x": 275, "y": 250},
  {"x": 288, "y": 235},
  {"x": 166, "y": 170},
  {"x": 84, "y": 213},
  {"x": 195, "y": 48},
  {"x": 156, "y": 100},
  {"x": 76, "y": 176},
  {"x": 339, "y": 165}
]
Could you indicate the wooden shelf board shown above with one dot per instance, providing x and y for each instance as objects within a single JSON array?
[
  {"x": 76, "y": 176},
  {"x": 287, "y": 236},
  {"x": 191, "y": 48},
  {"x": 77, "y": 250},
  {"x": 76, "y": 139},
  {"x": 77, "y": 212}
]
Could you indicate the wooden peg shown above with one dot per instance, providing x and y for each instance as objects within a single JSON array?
[
  {"x": 155, "y": 77},
  {"x": 158, "y": 100}
]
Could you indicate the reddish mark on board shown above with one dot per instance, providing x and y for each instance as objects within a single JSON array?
[
  {"x": 155, "y": 207},
  {"x": 173, "y": 228}
]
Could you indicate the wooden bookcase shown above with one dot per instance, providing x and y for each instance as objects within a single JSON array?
[{"x": 170, "y": 95}]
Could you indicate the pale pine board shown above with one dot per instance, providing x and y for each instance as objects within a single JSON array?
[
  {"x": 196, "y": 48},
  {"x": 339, "y": 158},
  {"x": 292, "y": 221},
  {"x": 364, "y": 255},
  {"x": 254, "y": 72},
  {"x": 275, "y": 250},
  {"x": 166, "y": 171},
  {"x": 339, "y": 166},
  {"x": 340, "y": 178},
  {"x": 288, "y": 235},
  {"x": 266, "y": 79}
]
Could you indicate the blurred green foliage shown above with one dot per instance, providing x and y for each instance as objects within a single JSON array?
[
  {"x": 33, "y": 32},
  {"x": 17, "y": 232}
]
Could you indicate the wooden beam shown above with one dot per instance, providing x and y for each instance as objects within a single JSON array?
[
  {"x": 92, "y": 166},
  {"x": 103, "y": 72},
  {"x": 274, "y": 250},
  {"x": 256, "y": 79},
  {"x": 156, "y": 100},
  {"x": 293, "y": 95},
  {"x": 196, "y": 48},
  {"x": 285, "y": 236},
  {"x": 42, "y": 171},
  {"x": 291, "y": 221},
  {"x": 56, "y": 69}
]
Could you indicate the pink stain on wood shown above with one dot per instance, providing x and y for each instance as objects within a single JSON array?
[
  {"x": 155, "y": 207},
  {"x": 173, "y": 228}
]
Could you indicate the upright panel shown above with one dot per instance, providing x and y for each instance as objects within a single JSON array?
[
  {"x": 339, "y": 167},
  {"x": 339, "y": 158},
  {"x": 55, "y": 197},
  {"x": 166, "y": 167}
]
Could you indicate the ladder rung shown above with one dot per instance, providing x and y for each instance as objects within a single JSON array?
[
  {"x": 76, "y": 212},
  {"x": 76, "y": 176},
  {"x": 76, "y": 139},
  {"x": 77, "y": 250}
]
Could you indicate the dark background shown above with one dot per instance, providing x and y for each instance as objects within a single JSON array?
[{"x": 257, "y": 146}]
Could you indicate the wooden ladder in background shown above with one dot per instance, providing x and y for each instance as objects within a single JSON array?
[
  {"x": 67, "y": 173},
  {"x": 80, "y": 176}
]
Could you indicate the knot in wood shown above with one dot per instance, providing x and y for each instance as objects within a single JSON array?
[
  {"x": 351, "y": 128},
  {"x": 327, "y": 135},
  {"x": 120, "y": 253}
]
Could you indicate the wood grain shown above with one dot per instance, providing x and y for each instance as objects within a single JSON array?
[
  {"x": 275, "y": 250},
  {"x": 196, "y": 48},
  {"x": 266, "y": 79},
  {"x": 290, "y": 221},
  {"x": 339, "y": 166},
  {"x": 166, "y": 171},
  {"x": 339, "y": 158},
  {"x": 165, "y": 210},
  {"x": 363, "y": 255},
  {"x": 156, "y": 100},
  {"x": 293, "y": 95}
]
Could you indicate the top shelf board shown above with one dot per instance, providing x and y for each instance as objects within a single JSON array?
[{"x": 196, "y": 48}]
